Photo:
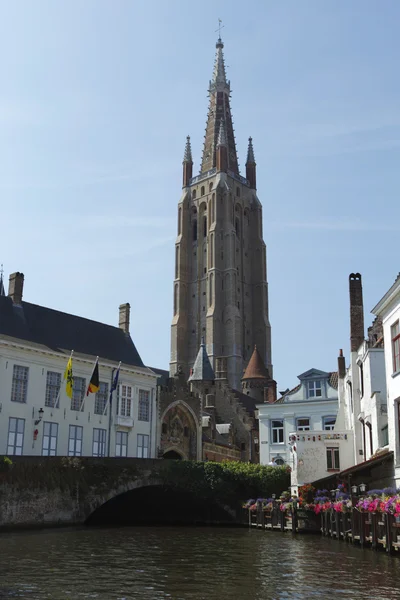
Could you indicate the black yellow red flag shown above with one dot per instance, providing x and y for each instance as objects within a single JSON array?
[{"x": 94, "y": 383}]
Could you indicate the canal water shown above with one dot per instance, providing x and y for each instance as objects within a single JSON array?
[{"x": 180, "y": 563}]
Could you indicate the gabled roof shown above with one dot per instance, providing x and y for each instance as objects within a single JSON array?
[
  {"x": 313, "y": 373},
  {"x": 202, "y": 369},
  {"x": 61, "y": 332},
  {"x": 256, "y": 368},
  {"x": 332, "y": 380}
]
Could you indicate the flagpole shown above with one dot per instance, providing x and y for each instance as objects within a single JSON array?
[
  {"x": 87, "y": 389},
  {"x": 110, "y": 406}
]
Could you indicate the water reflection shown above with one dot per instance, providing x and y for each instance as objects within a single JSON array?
[{"x": 190, "y": 564}]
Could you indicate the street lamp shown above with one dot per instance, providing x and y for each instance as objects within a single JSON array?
[
  {"x": 41, "y": 411},
  {"x": 354, "y": 490},
  {"x": 363, "y": 488}
]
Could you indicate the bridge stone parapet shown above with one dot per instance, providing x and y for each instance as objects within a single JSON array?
[{"x": 51, "y": 491}]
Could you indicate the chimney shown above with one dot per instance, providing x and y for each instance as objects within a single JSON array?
[
  {"x": 16, "y": 287},
  {"x": 124, "y": 317},
  {"x": 341, "y": 365},
  {"x": 270, "y": 392},
  {"x": 356, "y": 312}
]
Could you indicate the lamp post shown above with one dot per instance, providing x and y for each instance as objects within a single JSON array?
[
  {"x": 363, "y": 488},
  {"x": 41, "y": 411}
]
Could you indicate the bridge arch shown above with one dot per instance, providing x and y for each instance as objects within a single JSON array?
[{"x": 151, "y": 502}]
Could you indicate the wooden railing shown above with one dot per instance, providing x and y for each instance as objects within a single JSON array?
[{"x": 373, "y": 530}]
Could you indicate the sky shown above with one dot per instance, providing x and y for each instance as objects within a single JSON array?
[{"x": 96, "y": 100}]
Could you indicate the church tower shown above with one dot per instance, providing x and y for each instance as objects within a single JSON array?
[{"x": 220, "y": 286}]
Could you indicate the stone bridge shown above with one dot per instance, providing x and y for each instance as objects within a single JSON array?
[{"x": 50, "y": 491}]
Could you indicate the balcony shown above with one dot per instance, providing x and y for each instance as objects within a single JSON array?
[{"x": 123, "y": 421}]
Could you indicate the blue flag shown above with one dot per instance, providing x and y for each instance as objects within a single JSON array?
[{"x": 115, "y": 380}]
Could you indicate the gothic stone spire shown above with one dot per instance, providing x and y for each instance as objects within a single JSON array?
[
  {"x": 202, "y": 369},
  {"x": 187, "y": 157},
  {"x": 250, "y": 153},
  {"x": 219, "y": 111}
]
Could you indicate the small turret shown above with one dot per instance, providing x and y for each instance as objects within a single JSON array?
[
  {"x": 251, "y": 165},
  {"x": 187, "y": 163}
]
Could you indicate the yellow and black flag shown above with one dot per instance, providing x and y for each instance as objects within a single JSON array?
[
  {"x": 68, "y": 377},
  {"x": 94, "y": 384}
]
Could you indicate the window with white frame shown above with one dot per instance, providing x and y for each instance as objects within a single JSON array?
[
  {"x": 15, "y": 443},
  {"x": 328, "y": 423},
  {"x": 53, "y": 384},
  {"x": 19, "y": 387},
  {"x": 124, "y": 400},
  {"x": 99, "y": 442},
  {"x": 49, "y": 443},
  {"x": 332, "y": 459},
  {"x": 101, "y": 399},
  {"x": 144, "y": 405},
  {"x": 395, "y": 334},
  {"x": 277, "y": 431},
  {"x": 121, "y": 443},
  {"x": 142, "y": 446},
  {"x": 75, "y": 440},
  {"x": 303, "y": 424},
  {"x": 78, "y": 393},
  {"x": 315, "y": 388}
]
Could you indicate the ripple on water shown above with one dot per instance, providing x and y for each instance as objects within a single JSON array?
[{"x": 190, "y": 564}]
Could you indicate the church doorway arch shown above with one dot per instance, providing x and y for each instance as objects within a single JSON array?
[{"x": 172, "y": 455}]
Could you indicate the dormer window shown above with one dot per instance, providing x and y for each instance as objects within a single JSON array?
[{"x": 315, "y": 389}]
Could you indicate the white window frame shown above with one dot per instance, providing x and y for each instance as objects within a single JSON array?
[
  {"x": 78, "y": 393},
  {"x": 328, "y": 426},
  {"x": 277, "y": 431},
  {"x": 75, "y": 441},
  {"x": 335, "y": 459},
  {"x": 121, "y": 443},
  {"x": 395, "y": 343},
  {"x": 303, "y": 427},
  {"x": 144, "y": 405},
  {"x": 143, "y": 445},
  {"x": 19, "y": 388},
  {"x": 15, "y": 438},
  {"x": 50, "y": 437},
  {"x": 53, "y": 385},
  {"x": 313, "y": 388},
  {"x": 124, "y": 400},
  {"x": 101, "y": 399},
  {"x": 99, "y": 442}
]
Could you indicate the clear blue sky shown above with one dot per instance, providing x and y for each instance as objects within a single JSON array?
[{"x": 96, "y": 100}]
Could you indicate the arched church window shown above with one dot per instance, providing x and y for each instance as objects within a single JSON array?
[
  {"x": 202, "y": 191},
  {"x": 179, "y": 220},
  {"x": 238, "y": 191},
  {"x": 194, "y": 194},
  {"x": 195, "y": 230},
  {"x": 211, "y": 186},
  {"x": 211, "y": 251},
  {"x": 205, "y": 226},
  {"x": 237, "y": 227}
]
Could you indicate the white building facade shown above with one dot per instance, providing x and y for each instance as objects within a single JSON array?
[
  {"x": 388, "y": 309},
  {"x": 36, "y": 415},
  {"x": 311, "y": 406}
]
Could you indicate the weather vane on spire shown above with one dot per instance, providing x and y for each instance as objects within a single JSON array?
[{"x": 220, "y": 26}]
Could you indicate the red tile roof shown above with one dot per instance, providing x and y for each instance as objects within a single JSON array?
[{"x": 256, "y": 368}]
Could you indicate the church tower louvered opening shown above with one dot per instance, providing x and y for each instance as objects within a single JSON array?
[{"x": 220, "y": 286}]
